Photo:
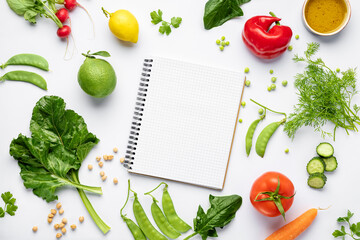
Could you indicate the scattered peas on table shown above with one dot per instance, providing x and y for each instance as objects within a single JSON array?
[
  {"x": 222, "y": 43},
  {"x": 273, "y": 79},
  {"x": 290, "y": 48},
  {"x": 273, "y": 86},
  {"x": 338, "y": 70},
  {"x": 296, "y": 37},
  {"x": 240, "y": 120},
  {"x": 243, "y": 103},
  {"x": 261, "y": 111},
  {"x": 271, "y": 71},
  {"x": 246, "y": 70},
  {"x": 269, "y": 88},
  {"x": 247, "y": 83},
  {"x": 284, "y": 83},
  {"x": 287, "y": 150}
]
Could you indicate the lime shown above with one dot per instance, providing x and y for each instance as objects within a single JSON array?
[{"x": 97, "y": 77}]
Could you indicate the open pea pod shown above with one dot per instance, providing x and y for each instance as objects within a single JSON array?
[{"x": 265, "y": 135}]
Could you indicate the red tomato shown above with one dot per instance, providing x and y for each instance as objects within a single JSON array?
[{"x": 265, "y": 188}]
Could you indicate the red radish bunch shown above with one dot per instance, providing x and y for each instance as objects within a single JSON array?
[
  {"x": 64, "y": 32},
  {"x": 62, "y": 14},
  {"x": 70, "y": 4}
]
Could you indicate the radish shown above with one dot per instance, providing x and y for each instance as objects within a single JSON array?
[
  {"x": 62, "y": 14},
  {"x": 64, "y": 32}
]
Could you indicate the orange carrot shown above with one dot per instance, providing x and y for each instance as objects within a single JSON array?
[{"x": 293, "y": 229}]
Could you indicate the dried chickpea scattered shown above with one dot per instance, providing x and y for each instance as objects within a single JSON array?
[
  {"x": 56, "y": 226},
  {"x": 122, "y": 160},
  {"x": 50, "y": 215},
  {"x": 53, "y": 211},
  {"x": 58, "y": 205},
  {"x": 115, "y": 149},
  {"x": 35, "y": 228},
  {"x": 110, "y": 157},
  {"x": 90, "y": 167},
  {"x": 50, "y": 220},
  {"x": 73, "y": 226},
  {"x": 61, "y": 211},
  {"x": 81, "y": 219},
  {"x": 63, "y": 230},
  {"x": 61, "y": 225},
  {"x": 105, "y": 157},
  {"x": 58, "y": 235},
  {"x": 115, "y": 180},
  {"x": 98, "y": 158},
  {"x": 64, "y": 221},
  {"x": 101, "y": 164},
  {"x": 102, "y": 173},
  {"x": 103, "y": 178}
]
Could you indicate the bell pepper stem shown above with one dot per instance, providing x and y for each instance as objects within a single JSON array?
[{"x": 273, "y": 15}]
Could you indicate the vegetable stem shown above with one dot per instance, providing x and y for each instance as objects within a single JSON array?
[
  {"x": 127, "y": 198},
  {"x": 148, "y": 193},
  {"x": 273, "y": 15},
  {"x": 268, "y": 108},
  {"x": 92, "y": 189},
  {"x": 190, "y": 236},
  {"x": 51, "y": 15}
]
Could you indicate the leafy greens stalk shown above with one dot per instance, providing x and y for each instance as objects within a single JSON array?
[
  {"x": 324, "y": 97},
  {"x": 353, "y": 227},
  {"x": 52, "y": 156}
]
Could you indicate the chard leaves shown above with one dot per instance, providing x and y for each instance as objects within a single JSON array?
[
  {"x": 217, "y": 12},
  {"x": 27, "y": 8}
]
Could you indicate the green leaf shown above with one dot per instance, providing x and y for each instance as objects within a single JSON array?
[
  {"x": 2, "y": 212},
  {"x": 217, "y": 12},
  {"x": 156, "y": 17},
  {"x": 10, "y": 209},
  {"x": 165, "y": 28},
  {"x": 6, "y": 197},
  {"x": 175, "y": 21},
  {"x": 222, "y": 210},
  {"x": 30, "y": 15},
  {"x": 341, "y": 219},
  {"x": 30, "y": 9},
  {"x": 338, "y": 233},
  {"x": 101, "y": 53}
]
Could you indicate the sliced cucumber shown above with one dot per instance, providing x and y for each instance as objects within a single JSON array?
[
  {"x": 325, "y": 150},
  {"x": 316, "y": 165},
  {"x": 317, "y": 180},
  {"x": 330, "y": 164}
]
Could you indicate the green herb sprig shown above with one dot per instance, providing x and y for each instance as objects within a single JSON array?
[
  {"x": 354, "y": 227},
  {"x": 10, "y": 206},
  {"x": 165, "y": 26},
  {"x": 324, "y": 97}
]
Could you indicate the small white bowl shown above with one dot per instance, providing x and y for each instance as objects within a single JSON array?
[{"x": 341, "y": 27}]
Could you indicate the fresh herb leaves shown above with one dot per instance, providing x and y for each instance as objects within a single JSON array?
[
  {"x": 52, "y": 156},
  {"x": 222, "y": 210},
  {"x": 156, "y": 17},
  {"x": 324, "y": 97},
  {"x": 10, "y": 206},
  {"x": 354, "y": 228},
  {"x": 217, "y": 12}
]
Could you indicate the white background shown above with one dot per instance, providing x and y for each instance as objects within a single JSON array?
[{"x": 110, "y": 118}]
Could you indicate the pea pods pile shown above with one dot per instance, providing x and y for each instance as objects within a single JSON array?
[
  {"x": 265, "y": 135},
  {"x": 169, "y": 223},
  {"x": 32, "y": 60}
]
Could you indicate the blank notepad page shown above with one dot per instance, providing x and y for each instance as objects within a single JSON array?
[{"x": 187, "y": 122}]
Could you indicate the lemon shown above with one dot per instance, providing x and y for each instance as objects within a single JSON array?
[
  {"x": 97, "y": 77},
  {"x": 123, "y": 25}
]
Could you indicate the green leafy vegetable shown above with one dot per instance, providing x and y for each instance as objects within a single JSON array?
[
  {"x": 52, "y": 156},
  {"x": 323, "y": 96},
  {"x": 217, "y": 12},
  {"x": 10, "y": 206},
  {"x": 354, "y": 228},
  {"x": 222, "y": 210},
  {"x": 165, "y": 26}
]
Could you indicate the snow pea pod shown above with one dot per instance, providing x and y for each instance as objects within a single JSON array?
[
  {"x": 25, "y": 76},
  {"x": 250, "y": 135},
  {"x": 264, "y": 137},
  {"x": 28, "y": 59}
]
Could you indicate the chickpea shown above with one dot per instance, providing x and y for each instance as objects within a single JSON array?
[
  {"x": 98, "y": 158},
  {"x": 58, "y": 235},
  {"x": 50, "y": 220},
  {"x": 50, "y": 215},
  {"x": 58, "y": 205},
  {"x": 115, "y": 149},
  {"x": 56, "y": 226},
  {"x": 101, "y": 164},
  {"x": 53, "y": 211},
  {"x": 102, "y": 173},
  {"x": 110, "y": 157},
  {"x": 122, "y": 160},
  {"x": 103, "y": 177},
  {"x": 90, "y": 167},
  {"x": 81, "y": 219},
  {"x": 105, "y": 157},
  {"x": 35, "y": 228},
  {"x": 73, "y": 226},
  {"x": 61, "y": 211},
  {"x": 64, "y": 221},
  {"x": 63, "y": 230},
  {"x": 61, "y": 225},
  {"x": 115, "y": 180}
]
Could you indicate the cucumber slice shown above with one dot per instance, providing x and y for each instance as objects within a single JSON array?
[
  {"x": 330, "y": 164},
  {"x": 325, "y": 150},
  {"x": 317, "y": 180},
  {"x": 316, "y": 165}
]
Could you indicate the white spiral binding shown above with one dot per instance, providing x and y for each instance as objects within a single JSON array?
[{"x": 138, "y": 113}]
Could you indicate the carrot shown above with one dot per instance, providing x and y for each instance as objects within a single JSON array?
[{"x": 293, "y": 229}]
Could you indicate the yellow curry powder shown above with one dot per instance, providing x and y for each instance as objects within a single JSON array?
[{"x": 325, "y": 16}]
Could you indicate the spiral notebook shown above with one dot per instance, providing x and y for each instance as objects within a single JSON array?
[{"x": 184, "y": 122}]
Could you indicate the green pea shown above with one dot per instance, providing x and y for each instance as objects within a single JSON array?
[
  {"x": 273, "y": 79},
  {"x": 271, "y": 71},
  {"x": 247, "y": 83},
  {"x": 296, "y": 37},
  {"x": 338, "y": 70},
  {"x": 25, "y": 76},
  {"x": 287, "y": 150},
  {"x": 243, "y": 103},
  {"x": 171, "y": 215},
  {"x": 222, "y": 43},
  {"x": 240, "y": 120},
  {"x": 269, "y": 89},
  {"x": 144, "y": 222},
  {"x": 223, "y": 38},
  {"x": 265, "y": 136},
  {"x": 218, "y": 42},
  {"x": 227, "y": 43},
  {"x": 32, "y": 60},
  {"x": 247, "y": 70},
  {"x": 290, "y": 48},
  {"x": 273, "y": 86},
  {"x": 284, "y": 83},
  {"x": 261, "y": 111},
  {"x": 221, "y": 48},
  {"x": 250, "y": 135},
  {"x": 162, "y": 222}
]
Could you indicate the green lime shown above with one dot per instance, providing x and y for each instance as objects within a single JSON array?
[{"x": 97, "y": 77}]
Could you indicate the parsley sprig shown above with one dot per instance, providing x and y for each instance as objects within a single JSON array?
[
  {"x": 324, "y": 96},
  {"x": 10, "y": 206},
  {"x": 165, "y": 26},
  {"x": 354, "y": 227}
]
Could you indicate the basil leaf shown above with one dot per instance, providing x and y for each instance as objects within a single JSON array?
[
  {"x": 222, "y": 210},
  {"x": 217, "y": 12}
]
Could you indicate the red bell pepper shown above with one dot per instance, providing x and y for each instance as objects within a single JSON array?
[{"x": 264, "y": 42}]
